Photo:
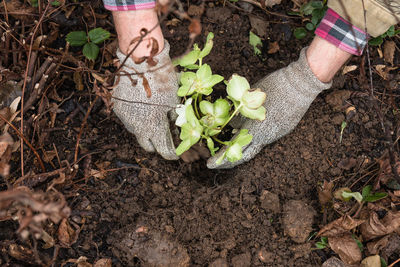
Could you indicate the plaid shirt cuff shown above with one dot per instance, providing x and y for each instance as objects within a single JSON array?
[
  {"x": 123, "y": 5},
  {"x": 341, "y": 33}
]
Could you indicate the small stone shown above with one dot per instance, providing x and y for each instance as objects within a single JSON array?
[
  {"x": 219, "y": 263},
  {"x": 270, "y": 201},
  {"x": 265, "y": 256},
  {"x": 242, "y": 260},
  {"x": 297, "y": 220},
  {"x": 334, "y": 262},
  {"x": 218, "y": 14},
  {"x": 371, "y": 261}
]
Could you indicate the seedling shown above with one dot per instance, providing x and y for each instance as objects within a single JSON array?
[
  {"x": 379, "y": 40},
  {"x": 322, "y": 244},
  {"x": 255, "y": 42},
  {"x": 201, "y": 119},
  {"x": 315, "y": 9},
  {"x": 342, "y": 127},
  {"x": 365, "y": 196},
  {"x": 88, "y": 41}
]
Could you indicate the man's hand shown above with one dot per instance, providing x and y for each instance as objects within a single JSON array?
[
  {"x": 147, "y": 117},
  {"x": 290, "y": 91}
]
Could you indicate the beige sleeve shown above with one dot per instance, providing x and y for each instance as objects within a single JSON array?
[{"x": 380, "y": 14}]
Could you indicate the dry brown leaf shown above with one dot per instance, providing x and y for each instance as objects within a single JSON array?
[
  {"x": 339, "y": 226},
  {"x": 385, "y": 172},
  {"x": 260, "y": 26},
  {"x": 388, "y": 51},
  {"x": 20, "y": 11},
  {"x": 348, "y": 69},
  {"x": 346, "y": 247},
  {"x": 384, "y": 70},
  {"x": 271, "y": 3},
  {"x": 371, "y": 261},
  {"x": 273, "y": 48},
  {"x": 66, "y": 234},
  {"x": 375, "y": 247},
  {"x": 5, "y": 141},
  {"x": 21, "y": 253},
  {"x": 103, "y": 263},
  {"x": 325, "y": 193},
  {"x": 375, "y": 227},
  {"x": 347, "y": 163}
]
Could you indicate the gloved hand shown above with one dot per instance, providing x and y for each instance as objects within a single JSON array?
[
  {"x": 290, "y": 91},
  {"x": 148, "y": 117}
]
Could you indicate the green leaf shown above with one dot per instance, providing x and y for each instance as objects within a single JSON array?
[
  {"x": 55, "y": 3},
  {"x": 254, "y": 99},
  {"x": 256, "y": 42},
  {"x": 390, "y": 32},
  {"x": 234, "y": 153},
  {"x": 243, "y": 138},
  {"x": 77, "y": 38},
  {"x": 307, "y": 9},
  {"x": 320, "y": 245},
  {"x": 375, "y": 41},
  {"x": 393, "y": 184},
  {"x": 187, "y": 80},
  {"x": 208, "y": 46},
  {"x": 210, "y": 145},
  {"x": 91, "y": 51},
  {"x": 188, "y": 59},
  {"x": 98, "y": 35},
  {"x": 237, "y": 86},
  {"x": 310, "y": 26},
  {"x": 206, "y": 107},
  {"x": 254, "y": 114},
  {"x": 221, "y": 108},
  {"x": 359, "y": 244},
  {"x": 383, "y": 262},
  {"x": 300, "y": 33},
  {"x": 183, "y": 147},
  {"x": 375, "y": 197},
  {"x": 213, "y": 80},
  {"x": 317, "y": 4},
  {"x": 366, "y": 191},
  {"x": 34, "y": 3},
  {"x": 356, "y": 195},
  {"x": 318, "y": 13},
  {"x": 315, "y": 21}
]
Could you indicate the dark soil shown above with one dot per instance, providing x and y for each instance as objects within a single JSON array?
[{"x": 193, "y": 214}]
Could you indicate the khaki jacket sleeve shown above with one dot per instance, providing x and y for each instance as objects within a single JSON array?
[{"x": 380, "y": 14}]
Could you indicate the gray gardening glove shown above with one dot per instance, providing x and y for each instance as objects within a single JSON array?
[
  {"x": 290, "y": 91},
  {"x": 148, "y": 117}
]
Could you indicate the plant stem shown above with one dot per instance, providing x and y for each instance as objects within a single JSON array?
[
  {"x": 200, "y": 61},
  {"x": 219, "y": 141},
  {"x": 233, "y": 114},
  {"x": 196, "y": 96}
]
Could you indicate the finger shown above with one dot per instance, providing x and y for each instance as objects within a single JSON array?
[
  {"x": 163, "y": 142},
  {"x": 145, "y": 143}
]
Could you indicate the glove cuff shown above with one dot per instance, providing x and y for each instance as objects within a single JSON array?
[
  {"x": 306, "y": 78},
  {"x": 161, "y": 59}
]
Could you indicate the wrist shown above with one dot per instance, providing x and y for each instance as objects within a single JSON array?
[
  {"x": 325, "y": 59},
  {"x": 129, "y": 25}
]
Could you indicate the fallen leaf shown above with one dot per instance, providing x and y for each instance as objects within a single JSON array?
[
  {"x": 271, "y": 3},
  {"x": 346, "y": 247},
  {"x": 339, "y": 226},
  {"x": 194, "y": 28},
  {"x": 384, "y": 70},
  {"x": 325, "y": 193},
  {"x": 66, "y": 234},
  {"x": 5, "y": 141},
  {"x": 21, "y": 253},
  {"x": 347, "y": 163},
  {"x": 374, "y": 247},
  {"x": 273, "y": 48},
  {"x": 374, "y": 227},
  {"x": 103, "y": 263},
  {"x": 260, "y": 26},
  {"x": 388, "y": 51},
  {"x": 348, "y": 69},
  {"x": 371, "y": 261}
]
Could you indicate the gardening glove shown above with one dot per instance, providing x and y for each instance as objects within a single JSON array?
[
  {"x": 290, "y": 91},
  {"x": 147, "y": 117}
]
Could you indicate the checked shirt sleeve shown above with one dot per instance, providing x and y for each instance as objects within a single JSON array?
[
  {"x": 123, "y": 5},
  {"x": 341, "y": 33}
]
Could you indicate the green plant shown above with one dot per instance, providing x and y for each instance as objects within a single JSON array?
[
  {"x": 322, "y": 244},
  {"x": 201, "y": 119},
  {"x": 379, "y": 40},
  {"x": 35, "y": 3},
  {"x": 315, "y": 9},
  {"x": 88, "y": 41},
  {"x": 364, "y": 196},
  {"x": 255, "y": 42}
]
